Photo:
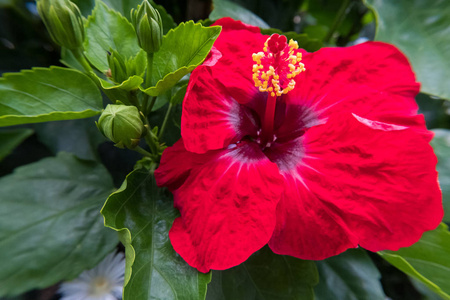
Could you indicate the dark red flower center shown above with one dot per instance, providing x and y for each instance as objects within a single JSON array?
[{"x": 273, "y": 72}]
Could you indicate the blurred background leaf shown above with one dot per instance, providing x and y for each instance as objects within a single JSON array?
[
  {"x": 428, "y": 260},
  {"x": 441, "y": 146},
  {"x": 225, "y": 8},
  {"x": 79, "y": 137},
  {"x": 50, "y": 225},
  {"x": 351, "y": 275},
  {"x": 421, "y": 29},
  {"x": 11, "y": 138},
  {"x": 265, "y": 275}
]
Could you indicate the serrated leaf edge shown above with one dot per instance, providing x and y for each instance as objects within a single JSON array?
[{"x": 189, "y": 68}]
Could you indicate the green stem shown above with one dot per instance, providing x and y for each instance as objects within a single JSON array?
[
  {"x": 153, "y": 167},
  {"x": 133, "y": 98},
  {"x": 151, "y": 104},
  {"x": 151, "y": 139},
  {"x": 145, "y": 105},
  {"x": 143, "y": 152},
  {"x": 148, "y": 77},
  {"x": 338, "y": 20},
  {"x": 78, "y": 53},
  {"x": 166, "y": 119}
]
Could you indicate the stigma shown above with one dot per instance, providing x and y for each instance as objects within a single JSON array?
[{"x": 275, "y": 68}]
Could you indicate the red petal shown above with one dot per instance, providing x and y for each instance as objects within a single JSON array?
[
  {"x": 356, "y": 181},
  {"x": 237, "y": 42},
  {"x": 227, "y": 208},
  {"x": 176, "y": 164},
  {"x": 212, "y": 117},
  {"x": 373, "y": 80},
  {"x": 213, "y": 57},
  {"x": 228, "y": 24}
]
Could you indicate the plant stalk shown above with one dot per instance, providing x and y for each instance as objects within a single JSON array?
[
  {"x": 338, "y": 20},
  {"x": 148, "y": 76},
  {"x": 143, "y": 151},
  {"x": 166, "y": 119}
]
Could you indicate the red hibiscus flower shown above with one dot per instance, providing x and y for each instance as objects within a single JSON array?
[{"x": 310, "y": 153}]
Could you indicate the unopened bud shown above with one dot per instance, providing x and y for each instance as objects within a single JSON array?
[
  {"x": 148, "y": 26},
  {"x": 63, "y": 21},
  {"x": 121, "y": 124},
  {"x": 117, "y": 66}
]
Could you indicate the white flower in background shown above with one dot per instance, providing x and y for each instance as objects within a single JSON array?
[{"x": 104, "y": 282}]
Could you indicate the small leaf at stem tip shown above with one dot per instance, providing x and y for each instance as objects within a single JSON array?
[{"x": 183, "y": 49}]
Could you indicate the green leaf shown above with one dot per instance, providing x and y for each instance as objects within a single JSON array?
[
  {"x": 175, "y": 95},
  {"x": 304, "y": 41},
  {"x": 5, "y": 3},
  {"x": 421, "y": 29},
  {"x": 131, "y": 83},
  {"x": 178, "y": 97},
  {"x": 41, "y": 95},
  {"x": 225, "y": 8},
  {"x": 428, "y": 260},
  {"x": 351, "y": 276},
  {"x": 422, "y": 288},
  {"x": 324, "y": 14},
  {"x": 143, "y": 215},
  {"x": 441, "y": 146},
  {"x": 85, "y": 6},
  {"x": 434, "y": 110},
  {"x": 107, "y": 29},
  {"x": 80, "y": 137},
  {"x": 10, "y": 139},
  {"x": 183, "y": 49},
  {"x": 124, "y": 8},
  {"x": 265, "y": 275},
  {"x": 50, "y": 226},
  {"x": 285, "y": 12}
]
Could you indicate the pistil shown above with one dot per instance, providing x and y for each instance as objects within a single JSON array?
[
  {"x": 273, "y": 72},
  {"x": 267, "y": 125}
]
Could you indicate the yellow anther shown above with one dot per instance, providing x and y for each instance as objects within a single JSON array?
[
  {"x": 274, "y": 70},
  {"x": 293, "y": 44}
]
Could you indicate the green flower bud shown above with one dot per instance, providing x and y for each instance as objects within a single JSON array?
[
  {"x": 148, "y": 26},
  {"x": 120, "y": 69},
  {"x": 63, "y": 21},
  {"x": 121, "y": 124},
  {"x": 117, "y": 66}
]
